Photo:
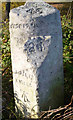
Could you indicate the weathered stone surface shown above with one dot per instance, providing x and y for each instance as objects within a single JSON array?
[{"x": 36, "y": 51}]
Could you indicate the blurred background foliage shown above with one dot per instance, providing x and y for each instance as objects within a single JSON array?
[{"x": 7, "y": 79}]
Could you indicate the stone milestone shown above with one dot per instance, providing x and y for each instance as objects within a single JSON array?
[{"x": 37, "y": 62}]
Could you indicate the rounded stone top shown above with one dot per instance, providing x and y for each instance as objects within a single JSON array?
[{"x": 34, "y": 9}]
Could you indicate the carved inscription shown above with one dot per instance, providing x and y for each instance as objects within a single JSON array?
[
  {"x": 23, "y": 73},
  {"x": 36, "y": 44},
  {"x": 22, "y": 81},
  {"x": 17, "y": 25},
  {"x": 23, "y": 95},
  {"x": 27, "y": 75}
]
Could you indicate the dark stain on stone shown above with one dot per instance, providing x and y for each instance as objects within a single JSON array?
[{"x": 18, "y": 14}]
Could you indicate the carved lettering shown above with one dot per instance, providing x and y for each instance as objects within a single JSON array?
[{"x": 37, "y": 43}]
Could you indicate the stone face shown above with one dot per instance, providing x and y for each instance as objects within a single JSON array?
[{"x": 36, "y": 52}]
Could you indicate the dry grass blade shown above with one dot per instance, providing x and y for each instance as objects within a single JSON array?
[{"x": 59, "y": 113}]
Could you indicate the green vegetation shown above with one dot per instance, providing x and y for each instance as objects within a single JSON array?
[
  {"x": 67, "y": 39},
  {"x": 67, "y": 32},
  {"x": 6, "y": 53},
  {"x": 8, "y": 99}
]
